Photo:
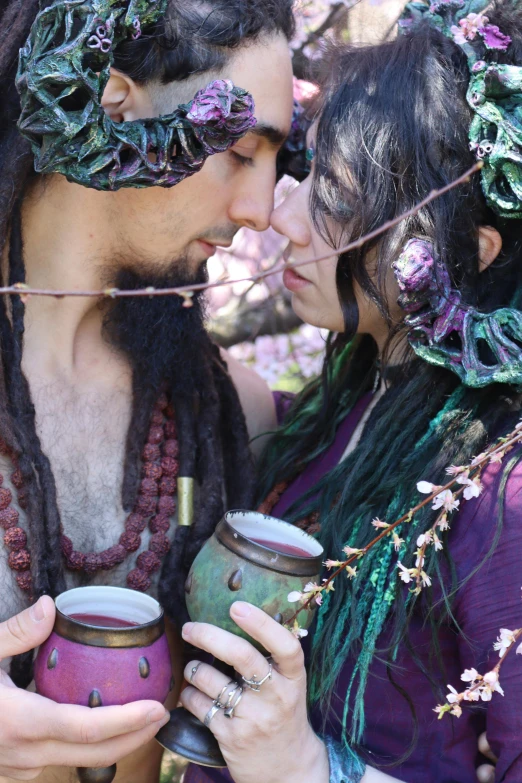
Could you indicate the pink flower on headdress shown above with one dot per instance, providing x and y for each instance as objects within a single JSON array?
[
  {"x": 212, "y": 104},
  {"x": 477, "y": 24},
  {"x": 473, "y": 24},
  {"x": 493, "y": 38}
]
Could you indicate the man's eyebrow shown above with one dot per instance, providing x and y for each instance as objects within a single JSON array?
[{"x": 275, "y": 136}]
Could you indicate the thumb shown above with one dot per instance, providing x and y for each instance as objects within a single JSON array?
[{"x": 27, "y": 630}]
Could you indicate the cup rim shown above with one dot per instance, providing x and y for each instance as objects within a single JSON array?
[
  {"x": 293, "y": 565},
  {"x": 141, "y": 635}
]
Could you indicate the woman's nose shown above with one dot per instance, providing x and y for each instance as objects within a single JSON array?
[{"x": 292, "y": 217}]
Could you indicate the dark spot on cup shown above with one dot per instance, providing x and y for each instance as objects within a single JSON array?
[
  {"x": 188, "y": 583},
  {"x": 52, "y": 659},
  {"x": 235, "y": 582},
  {"x": 278, "y": 618},
  {"x": 95, "y": 699},
  {"x": 144, "y": 668},
  {"x": 171, "y": 684}
]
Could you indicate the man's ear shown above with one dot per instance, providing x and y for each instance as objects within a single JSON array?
[
  {"x": 490, "y": 245},
  {"x": 124, "y": 101}
]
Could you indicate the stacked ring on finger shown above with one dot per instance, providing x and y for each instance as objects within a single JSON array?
[
  {"x": 224, "y": 689},
  {"x": 254, "y": 684},
  {"x": 234, "y": 697}
]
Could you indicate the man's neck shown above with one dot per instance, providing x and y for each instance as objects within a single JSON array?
[{"x": 67, "y": 241}]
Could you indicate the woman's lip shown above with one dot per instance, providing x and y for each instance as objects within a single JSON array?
[{"x": 293, "y": 281}]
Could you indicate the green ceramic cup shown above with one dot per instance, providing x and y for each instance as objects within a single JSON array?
[{"x": 255, "y": 558}]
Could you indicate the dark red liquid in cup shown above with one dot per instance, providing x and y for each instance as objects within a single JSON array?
[
  {"x": 284, "y": 549},
  {"x": 103, "y": 621}
]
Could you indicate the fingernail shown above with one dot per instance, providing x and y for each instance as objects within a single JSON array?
[
  {"x": 37, "y": 612},
  {"x": 241, "y": 609},
  {"x": 157, "y": 714},
  {"x": 186, "y": 630},
  {"x": 165, "y": 719}
]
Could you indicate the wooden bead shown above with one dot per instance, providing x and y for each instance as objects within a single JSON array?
[
  {"x": 152, "y": 470},
  {"x": 131, "y": 541},
  {"x": 9, "y": 518},
  {"x": 155, "y": 436},
  {"x": 136, "y": 523},
  {"x": 17, "y": 479},
  {"x": 138, "y": 580},
  {"x": 166, "y": 505},
  {"x": 168, "y": 485},
  {"x": 170, "y": 466},
  {"x": 159, "y": 524},
  {"x": 151, "y": 452},
  {"x": 25, "y": 581},
  {"x": 170, "y": 430},
  {"x": 148, "y": 561},
  {"x": 146, "y": 505},
  {"x": 149, "y": 487},
  {"x": 15, "y": 539},
  {"x": 159, "y": 544},
  {"x": 19, "y": 561},
  {"x": 171, "y": 448},
  {"x": 6, "y": 497}
]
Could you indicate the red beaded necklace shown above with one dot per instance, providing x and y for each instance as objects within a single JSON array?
[{"x": 155, "y": 503}]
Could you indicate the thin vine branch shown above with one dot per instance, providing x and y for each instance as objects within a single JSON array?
[
  {"x": 187, "y": 292},
  {"x": 497, "y": 449}
]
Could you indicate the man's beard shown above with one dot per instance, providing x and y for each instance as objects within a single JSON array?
[{"x": 162, "y": 339}]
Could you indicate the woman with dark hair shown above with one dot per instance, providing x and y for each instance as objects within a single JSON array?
[{"x": 424, "y": 374}]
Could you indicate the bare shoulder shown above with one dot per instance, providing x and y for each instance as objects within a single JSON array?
[{"x": 256, "y": 399}]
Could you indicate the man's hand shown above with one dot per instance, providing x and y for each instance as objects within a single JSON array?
[
  {"x": 486, "y": 772},
  {"x": 36, "y": 733}
]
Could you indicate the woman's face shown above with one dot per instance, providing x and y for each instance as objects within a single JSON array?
[{"x": 315, "y": 298}]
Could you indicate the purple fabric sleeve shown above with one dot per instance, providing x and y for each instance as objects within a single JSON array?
[{"x": 283, "y": 402}]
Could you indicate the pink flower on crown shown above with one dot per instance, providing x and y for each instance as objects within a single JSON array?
[{"x": 473, "y": 24}]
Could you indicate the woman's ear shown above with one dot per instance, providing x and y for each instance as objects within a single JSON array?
[
  {"x": 124, "y": 101},
  {"x": 490, "y": 245}
]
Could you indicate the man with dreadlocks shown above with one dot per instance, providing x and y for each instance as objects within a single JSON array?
[
  {"x": 421, "y": 393},
  {"x": 108, "y": 411}
]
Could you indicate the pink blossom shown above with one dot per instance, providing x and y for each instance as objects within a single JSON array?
[
  {"x": 319, "y": 599},
  {"x": 474, "y": 489},
  {"x": 470, "y": 675},
  {"x": 443, "y": 522},
  {"x": 426, "y": 487},
  {"x": 405, "y": 573},
  {"x": 426, "y": 580},
  {"x": 463, "y": 477},
  {"x": 424, "y": 538},
  {"x": 397, "y": 542},
  {"x": 454, "y": 470},
  {"x": 477, "y": 460},
  {"x": 519, "y": 649},
  {"x": 445, "y": 500},
  {"x": 348, "y": 550},
  {"x": 470, "y": 695},
  {"x": 456, "y": 710},
  {"x": 453, "y": 696},
  {"x": 504, "y": 641},
  {"x": 379, "y": 523},
  {"x": 331, "y": 564},
  {"x": 294, "y": 596},
  {"x": 351, "y": 573},
  {"x": 437, "y": 543}
]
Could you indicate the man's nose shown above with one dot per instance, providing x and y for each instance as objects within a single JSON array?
[{"x": 253, "y": 206}]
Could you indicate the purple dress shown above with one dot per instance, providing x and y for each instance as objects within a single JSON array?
[{"x": 445, "y": 750}]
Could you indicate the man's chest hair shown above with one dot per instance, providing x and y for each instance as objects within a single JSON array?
[{"x": 84, "y": 437}]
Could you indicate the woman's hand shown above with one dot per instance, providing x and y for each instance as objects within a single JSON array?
[
  {"x": 36, "y": 733},
  {"x": 269, "y": 736}
]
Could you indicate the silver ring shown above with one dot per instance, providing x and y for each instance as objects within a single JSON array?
[
  {"x": 234, "y": 702},
  {"x": 254, "y": 684},
  {"x": 194, "y": 671},
  {"x": 210, "y": 714},
  {"x": 225, "y": 688},
  {"x": 231, "y": 695}
]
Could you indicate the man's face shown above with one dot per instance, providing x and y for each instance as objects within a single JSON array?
[{"x": 234, "y": 188}]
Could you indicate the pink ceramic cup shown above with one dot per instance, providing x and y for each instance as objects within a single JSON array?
[{"x": 95, "y": 665}]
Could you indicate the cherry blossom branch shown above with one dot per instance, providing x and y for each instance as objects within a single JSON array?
[
  {"x": 187, "y": 292},
  {"x": 468, "y": 480},
  {"x": 482, "y": 686}
]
